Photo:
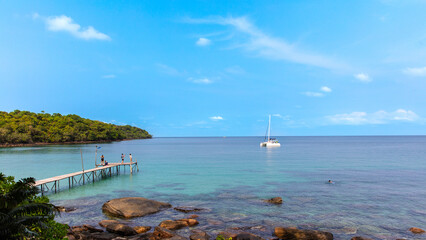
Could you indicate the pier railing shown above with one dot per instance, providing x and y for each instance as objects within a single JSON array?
[{"x": 83, "y": 177}]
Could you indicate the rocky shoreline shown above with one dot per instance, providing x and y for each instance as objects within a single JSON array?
[
  {"x": 189, "y": 227},
  {"x": 37, "y": 144}
]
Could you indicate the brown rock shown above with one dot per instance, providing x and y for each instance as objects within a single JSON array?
[
  {"x": 188, "y": 209},
  {"x": 130, "y": 207},
  {"x": 92, "y": 229},
  {"x": 199, "y": 235},
  {"x": 121, "y": 229},
  {"x": 227, "y": 235},
  {"x": 105, "y": 223},
  {"x": 360, "y": 238},
  {"x": 247, "y": 236},
  {"x": 297, "y": 234},
  {"x": 275, "y": 200},
  {"x": 65, "y": 209},
  {"x": 142, "y": 229},
  {"x": 173, "y": 224},
  {"x": 190, "y": 221},
  {"x": 416, "y": 230},
  {"x": 193, "y": 216},
  {"x": 161, "y": 233}
]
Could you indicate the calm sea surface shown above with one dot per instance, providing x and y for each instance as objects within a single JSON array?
[{"x": 379, "y": 190}]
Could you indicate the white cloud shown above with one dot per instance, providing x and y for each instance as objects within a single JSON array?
[
  {"x": 109, "y": 76},
  {"x": 201, "y": 80},
  {"x": 216, "y": 118},
  {"x": 286, "y": 117},
  {"x": 418, "y": 72},
  {"x": 313, "y": 94},
  {"x": 203, "y": 42},
  {"x": 66, "y": 24},
  {"x": 362, "y": 77},
  {"x": 379, "y": 117},
  {"x": 326, "y": 89},
  {"x": 268, "y": 46}
]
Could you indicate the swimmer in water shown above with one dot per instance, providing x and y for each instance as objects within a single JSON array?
[{"x": 331, "y": 182}]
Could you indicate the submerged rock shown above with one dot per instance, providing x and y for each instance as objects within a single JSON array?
[
  {"x": 162, "y": 233},
  {"x": 246, "y": 236},
  {"x": 275, "y": 200},
  {"x": 199, "y": 235},
  {"x": 121, "y": 229},
  {"x": 193, "y": 216},
  {"x": 105, "y": 223},
  {"x": 65, "y": 209},
  {"x": 416, "y": 230},
  {"x": 130, "y": 207},
  {"x": 178, "y": 224},
  {"x": 298, "y": 234},
  {"x": 188, "y": 209},
  {"x": 142, "y": 229},
  {"x": 360, "y": 238}
]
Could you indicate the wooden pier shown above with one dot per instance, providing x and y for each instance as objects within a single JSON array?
[{"x": 82, "y": 177}]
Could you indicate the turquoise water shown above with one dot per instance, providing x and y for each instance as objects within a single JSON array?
[{"x": 378, "y": 192}]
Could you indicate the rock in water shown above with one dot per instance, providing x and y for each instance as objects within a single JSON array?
[
  {"x": 162, "y": 233},
  {"x": 130, "y": 207},
  {"x": 416, "y": 230},
  {"x": 173, "y": 224},
  {"x": 275, "y": 200},
  {"x": 105, "y": 223},
  {"x": 297, "y": 234},
  {"x": 360, "y": 238},
  {"x": 199, "y": 235},
  {"x": 120, "y": 229},
  {"x": 188, "y": 209},
  {"x": 142, "y": 229},
  {"x": 247, "y": 236}
]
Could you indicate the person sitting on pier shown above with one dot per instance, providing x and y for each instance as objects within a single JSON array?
[
  {"x": 102, "y": 160},
  {"x": 122, "y": 158}
]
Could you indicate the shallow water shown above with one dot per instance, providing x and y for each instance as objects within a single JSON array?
[{"x": 378, "y": 192}]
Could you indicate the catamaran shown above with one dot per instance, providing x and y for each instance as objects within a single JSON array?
[{"x": 271, "y": 142}]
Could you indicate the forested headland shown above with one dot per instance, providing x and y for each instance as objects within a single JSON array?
[{"x": 24, "y": 127}]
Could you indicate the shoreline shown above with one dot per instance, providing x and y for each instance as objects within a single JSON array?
[{"x": 63, "y": 143}]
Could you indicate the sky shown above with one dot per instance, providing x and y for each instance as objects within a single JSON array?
[{"x": 219, "y": 68}]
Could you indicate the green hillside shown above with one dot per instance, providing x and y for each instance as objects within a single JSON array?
[{"x": 20, "y": 127}]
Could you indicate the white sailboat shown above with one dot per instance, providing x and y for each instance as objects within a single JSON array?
[{"x": 271, "y": 142}]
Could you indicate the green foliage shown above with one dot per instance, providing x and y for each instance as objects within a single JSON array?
[
  {"x": 51, "y": 231},
  {"x": 220, "y": 237},
  {"x": 22, "y": 213},
  {"x": 27, "y": 127}
]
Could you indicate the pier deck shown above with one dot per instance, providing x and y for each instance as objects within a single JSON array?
[{"x": 84, "y": 176}]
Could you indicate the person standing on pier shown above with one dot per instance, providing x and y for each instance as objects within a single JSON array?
[
  {"x": 122, "y": 158},
  {"x": 102, "y": 160},
  {"x": 130, "y": 156}
]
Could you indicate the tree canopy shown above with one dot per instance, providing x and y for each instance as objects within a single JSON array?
[{"x": 20, "y": 127}]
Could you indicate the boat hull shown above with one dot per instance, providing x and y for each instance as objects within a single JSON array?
[{"x": 270, "y": 144}]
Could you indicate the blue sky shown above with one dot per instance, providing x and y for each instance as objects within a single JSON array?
[{"x": 204, "y": 68}]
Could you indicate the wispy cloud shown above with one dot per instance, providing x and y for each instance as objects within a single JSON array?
[
  {"x": 325, "y": 89},
  {"x": 268, "y": 46},
  {"x": 66, "y": 24},
  {"x": 200, "y": 80},
  {"x": 236, "y": 70},
  {"x": 203, "y": 42},
  {"x": 362, "y": 77},
  {"x": 418, "y": 72},
  {"x": 286, "y": 117},
  {"x": 379, "y": 117},
  {"x": 109, "y": 76},
  {"x": 163, "y": 68},
  {"x": 313, "y": 94},
  {"x": 216, "y": 118}
]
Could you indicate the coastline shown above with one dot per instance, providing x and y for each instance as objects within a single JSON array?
[{"x": 63, "y": 143}]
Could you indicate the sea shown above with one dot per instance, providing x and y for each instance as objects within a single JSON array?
[{"x": 378, "y": 190}]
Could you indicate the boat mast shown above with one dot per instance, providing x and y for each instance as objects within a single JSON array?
[{"x": 269, "y": 128}]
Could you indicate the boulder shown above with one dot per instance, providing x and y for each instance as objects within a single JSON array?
[
  {"x": 275, "y": 200},
  {"x": 130, "y": 207},
  {"x": 360, "y": 238},
  {"x": 199, "y": 235},
  {"x": 162, "y": 233},
  {"x": 190, "y": 221},
  {"x": 188, "y": 209},
  {"x": 105, "y": 223},
  {"x": 121, "y": 229},
  {"x": 142, "y": 229},
  {"x": 173, "y": 224},
  {"x": 91, "y": 228},
  {"x": 416, "y": 230},
  {"x": 297, "y": 234}
]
